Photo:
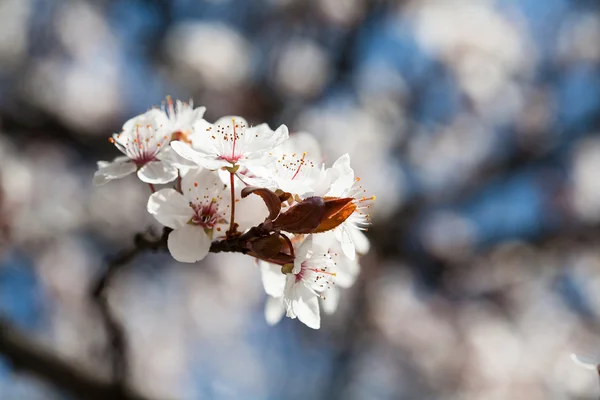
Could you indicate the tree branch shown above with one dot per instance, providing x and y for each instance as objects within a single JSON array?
[
  {"x": 25, "y": 354},
  {"x": 114, "y": 330},
  {"x": 31, "y": 357},
  {"x": 116, "y": 337}
]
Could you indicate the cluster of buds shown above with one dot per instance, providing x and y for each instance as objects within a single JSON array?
[{"x": 310, "y": 237}]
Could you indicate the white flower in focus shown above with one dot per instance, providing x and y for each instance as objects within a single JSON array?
[
  {"x": 194, "y": 216},
  {"x": 346, "y": 270},
  {"x": 299, "y": 291},
  {"x": 296, "y": 168},
  {"x": 349, "y": 233},
  {"x": 182, "y": 116},
  {"x": 229, "y": 142},
  {"x": 143, "y": 141}
]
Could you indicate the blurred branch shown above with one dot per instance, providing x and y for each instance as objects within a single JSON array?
[
  {"x": 114, "y": 330},
  {"x": 29, "y": 356}
]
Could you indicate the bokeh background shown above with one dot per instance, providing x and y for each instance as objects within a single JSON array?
[{"x": 474, "y": 122}]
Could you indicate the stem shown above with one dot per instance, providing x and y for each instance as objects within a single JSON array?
[
  {"x": 289, "y": 242},
  {"x": 178, "y": 186},
  {"x": 240, "y": 178},
  {"x": 152, "y": 188},
  {"x": 232, "y": 219}
]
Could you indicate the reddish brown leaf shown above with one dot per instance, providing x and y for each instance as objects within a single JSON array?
[
  {"x": 337, "y": 218},
  {"x": 279, "y": 258},
  {"x": 268, "y": 246},
  {"x": 303, "y": 217},
  {"x": 271, "y": 200},
  {"x": 333, "y": 205}
]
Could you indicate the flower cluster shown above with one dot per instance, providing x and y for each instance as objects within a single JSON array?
[{"x": 311, "y": 236}]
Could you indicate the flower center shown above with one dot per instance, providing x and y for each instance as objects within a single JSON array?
[
  {"x": 140, "y": 146},
  {"x": 227, "y": 137},
  {"x": 205, "y": 215},
  {"x": 317, "y": 277},
  {"x": 294, "y": 165},
  {"x": 361, "y": 217}
]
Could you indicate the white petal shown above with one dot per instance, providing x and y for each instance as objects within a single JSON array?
[
  {"x": 170, "y": 155},
  {"x": 170, "y": 208},
  {"x": 189, "y": 243},
  {"x": 345, "y": 178},
  {"x": 264, "y": 139},
  {"x": 117, "y": 160},
  {"x": 213, "y": 163},
  {"x": 158, "y": 172},
  {"x": 226, "y": 123},
  {"x": 199, "y": 182},
  {"x": 249, "y": 211},
  {"x": 345, "y": 240},
  {"x": 300, "y": 142},
  {"x": 326, "y": 240},
  {"x": 255, "y": 160},
  {"x": 152, "y": 116},
  {"x": 281, "y": 135},
  {"x": 202, "y": 159},
  {"x": 202, "y": 141},
  {"x": 119, "y": 168},
  {"x": 295, "y": 187},
  {"x": 332, "y": 300},
  {"x": 186, "y": 151},
  {"x": 585, "y": 362},
  {"x": 199, "y": 113},
  {"x": 322, "y": 185},
  {"x": 272, "y": 278},
  {"x": 347, "y": 271},
  {"x": 306, "y": 307},
  {"x": 196, "y": 179},
  {"x": 274, "y": 310},
  {"x": 131, "y": 122},
  {"x": 360, "y": 240},
  {"x": 302, "y": 253}
]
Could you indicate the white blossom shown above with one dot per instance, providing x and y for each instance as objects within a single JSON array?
[
  {"x": 197, "y": 216},
  {"x": 175, "y": 141},
  {"x": 182, "y": 116},
  {"x": 296, "y": 166},
  {"x": 346, "y": 270},
  {"x": 349, "y": 233},
  {"x": 230, "y": 142},
  {"x": 300, "y": 289},
  {"x": 142, "y": 141}
]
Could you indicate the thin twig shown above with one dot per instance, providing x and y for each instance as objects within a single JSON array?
[
  {"x": 289, "y": 243},
  {"x": 114, "y": 329},
  {"x": 240, "y": 178},
  {"x": 231, "y": 230},
  {"x": 26, "y": 354}
]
